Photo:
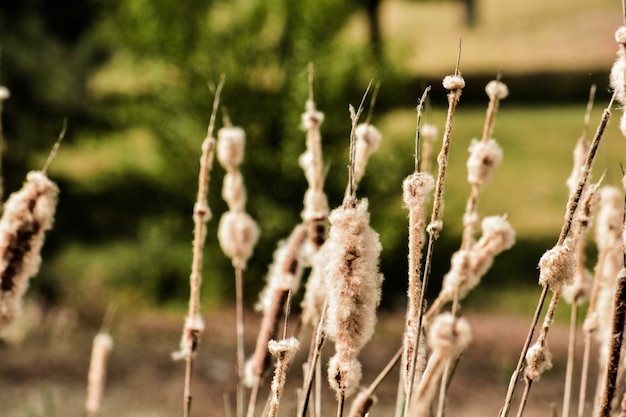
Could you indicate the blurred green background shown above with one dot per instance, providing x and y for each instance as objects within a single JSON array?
[{"x": 133, "y": 77}]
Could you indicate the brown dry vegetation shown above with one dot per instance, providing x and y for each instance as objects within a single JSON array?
[{"x": 143, "y": 381}]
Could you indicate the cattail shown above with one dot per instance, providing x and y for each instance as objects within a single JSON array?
[
  {"x": 469, "y": 266},
  {"x": 538, "y": 360},
  {"x": 316, "y": 289},
  {"x": 231, "y": 142},
  {"x": 417, "y": 188},
  {"x": 580, "y": 154},
  {"x": 496, "y": 90},
  {"x": 284, "y": 351},
  {"x": 354, "y": 293},
  {"x": 485, "y": 156},
  {"x": 367, "y": 142},
  {"x": 447, "y": 337},
  {"x": 28, "y": 214},
  {"x": 430, "y": 133},
  {"x": 238, "y": 233},
  {"x": 556, "y": 266},
  {"x": 234, "y": 191},
  {"x": 102, "y": 345},
  {"x": 283, "y": 278}
]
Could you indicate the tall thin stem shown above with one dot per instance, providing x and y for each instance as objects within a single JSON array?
[
  {"x": 241, "y": 357},
  {"x": 569, "y": 370}
]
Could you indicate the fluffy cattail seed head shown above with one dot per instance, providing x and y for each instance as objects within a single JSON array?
[
  {"x": 616, "y": 78},
  {"x": 234, "y": 191},
  {"x": 485, "y": 156},
  {"x": 556, "y": 266},
  {"x": 284, "y": 349},
  {"x": 429, "y": 132},
  {"x": 344, "y": 375},
  {"x": 609, "y": 218},
  {"x": 496, "y": 90},
  {"x": 580, "y": 154},
  {"x": 194, "y": 326},
  {"x": 449, "y": 335},
  {"x": 453, "y": 82},
  {"x": 230, "y": 146},
  {"x": 620, "y": 35},
  {"x": 28, "y": 214},
  {"x": 538, "y": 360},
  {"x": 367, "y": 142},
  {"x": 315, "y": 205},
  {"x": 237, "y": 233},
  {"x": 416, "y": 190}
]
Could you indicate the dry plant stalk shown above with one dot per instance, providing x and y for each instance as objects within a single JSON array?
[
  {"x": 194, "y": 324},
  {"x": 555, "y": 265},
  {"x": 102, "y": 345},
  {"x": 28, "y": 214},
  {"x": 454, "y": 84}
]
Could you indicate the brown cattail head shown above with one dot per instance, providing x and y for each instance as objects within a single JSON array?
[
  {"x": 367, "y": 142},
  {"x": 237, "y": 234},
  {"x": 485, "y": 157},
  {"x": 538, "y": 360},
  {"x": 102, "y": 345},
  {"x": 231, "y": 142},
  {"x": 28, "y": 214}
]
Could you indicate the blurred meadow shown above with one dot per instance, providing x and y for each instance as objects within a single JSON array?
[{"x": 135, "y": 80}]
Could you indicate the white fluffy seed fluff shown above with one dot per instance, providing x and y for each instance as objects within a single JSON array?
[
  {"x": 556, "y": 266},
  {"x": 579, "y": 290},
  {"x": 429, "y": 136},
  {"x": 234, "y": 191},
  {"x": 286, "y": 268},
  {"x": 193, "y": 327},
  {"x": 316, "y": 289},
  {"x": 315, "y": 205},
  {"x": 620, "y": 35},
  {"x": 496, "y": 90},
  {"x": 616, "y": 78},
  {"x": 538, "y": 360},
  {"x": 102, "y": 346},
  {"x": 284, "y": 351},
  {"x": 353, "y": 250},
  {"x": 580, "y": 154},
  {"x": 469, "y": 266},
  {"x": 344, "y": 375},
  {"x": 453, "y": 82},
  {"x": 429, "y": 132},
  {"x": 449, "y": 335},
  {"x": 231, "y": 142},
  {"x": 237, "y": 233},
  {"x": 608, "y": 229},
  {"x": 28, "y": 214},
  {"x": 416, "y": 190},
  {"x": 4, "y": 93},
  {"x": 485, "y": 157},
  {"x": 311, "y": 119},
  {"x": 367, "y": 142}
]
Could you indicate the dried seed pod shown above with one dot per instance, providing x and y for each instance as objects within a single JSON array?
[
  {"x": 234, "y": 191},
  {"x": 496, "y": 90},
  {"x": 538, "y": 360},
  {"x": 556, "y": 266},
  {"x": 28, "y": 214},
  {"x": 367, "y": 142}
]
